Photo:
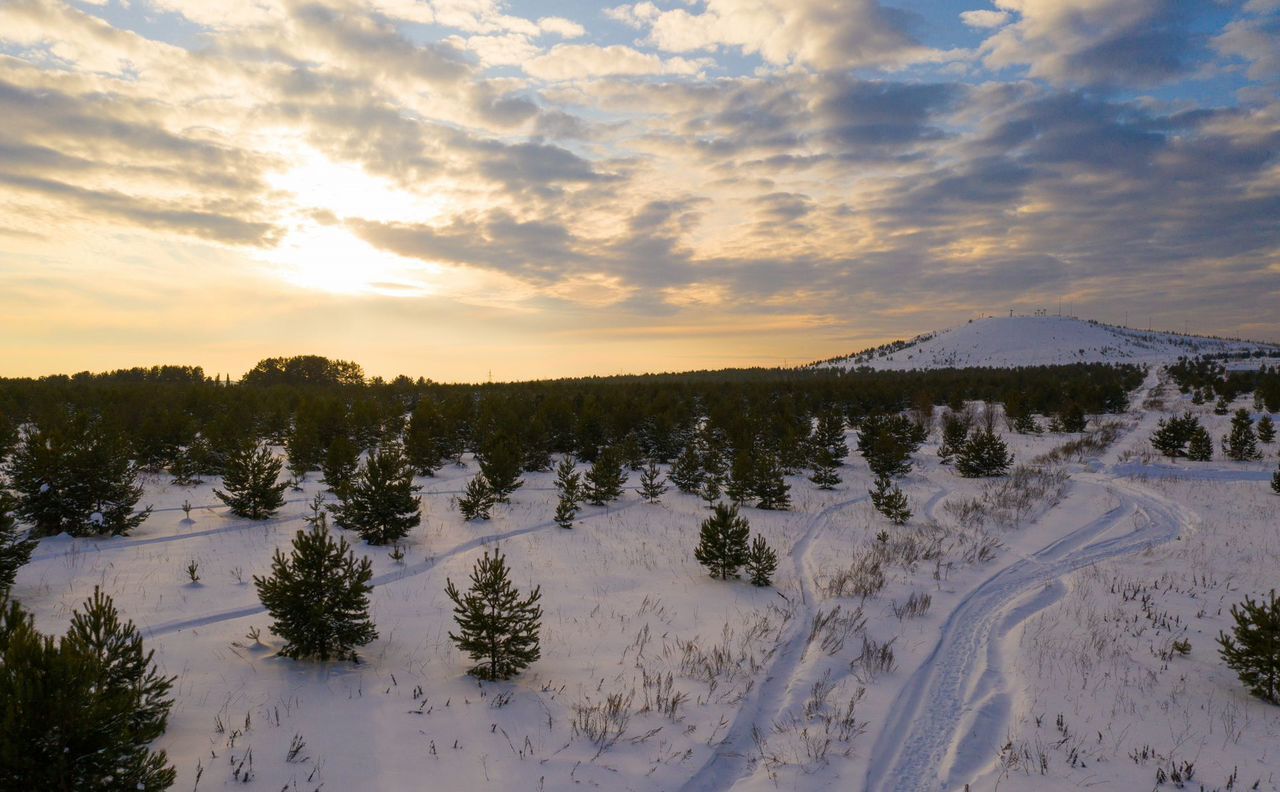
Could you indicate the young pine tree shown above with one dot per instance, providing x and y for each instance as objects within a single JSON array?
[
  {"x": 478, "y": 500},
  {"x": 1200, "y": 446},
  {"x": 890, "y": 501},
  {"x": 423, "y": 438},
  {"x": 341, "y": 461},
  {"x": 828, "y": 435},
  {"x": 606, "y": 478},
  {"x": 501, "y": 465},
  {"x": 80, "y": 711},
  {"x": 303, "y": 447},
  {"x": 824, "y": 469},
  {"x": 1266, "y": 429},
  {"x": 652, "y": 487},
  {"x": 1072, "y": 419},
  {"x": 1253, "y": 648},
  {"x": 569, "y": 487},
  {"x": 250, "y": 480},
  {"x": 955, "y": 430},
  {"x": 761, "y": 562},
  {"x": 1275, "y": 481},
  {"x": 722, "y": 542},
  {"x": 886, "y": 443},
  {"x": 741, "y": 477},
  {"x": 1024, "y": 423},
  {"x": 380, "y": 503},
  {"x": 75, "y": 476},
  {"x": 1241, "y": 444},
  {"x": 686, "y": 473},
  {"x": 767, "y": 483},
  {"x": 16, "y": 544},
  {"x": 1221, "y": 407},
  {"x": 496, "y": 626},
  {"x": 319, "y": 571},
  {"x": 983, "y": 454}
]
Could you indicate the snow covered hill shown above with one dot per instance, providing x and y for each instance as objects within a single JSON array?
[{"x": 1008, "y": 341}]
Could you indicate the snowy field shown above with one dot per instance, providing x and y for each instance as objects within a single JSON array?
[
  {"x": 1006, "y": 341},
  {"x": 1015, "y": 634}
]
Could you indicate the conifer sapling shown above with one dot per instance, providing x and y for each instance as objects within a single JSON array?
[
  {"x": 496, "y": 626},
  {"x": 1253, "y": 648},
  {"x": 761, "y": 562},
  {"x": 890, "y": 501},
  {"x": 380, "y": 502},
  {"x": 722, "y": 542},
  {"x": 16, "y": 545},
  {"x": 478, "y": 499},
  {"x": 250, "y": 482},
  {"x": 652, "y": 487}
]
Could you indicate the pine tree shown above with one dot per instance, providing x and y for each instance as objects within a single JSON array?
[
  {"x": 1241, "y": 444},
  {"x": 566, "y": 512},
  {"x": 303, "y": 447},
  {"x": 1221, "y": 407},
  {"x": 1253, "y": 649},
  {"x": 341, "y": 461},
  {"x": 1072, "y": 419},
  {"x": 250, "y": 481},
  {"x": 824, "y": 470},
  {"x": 686, "y": 473},
  {"x": 652, "y": 486},
  {"x": 1275, "y": 481},
  {"x": 890, "y": 501},
  {"x": 828, "y": 435},
  {"x": 478, "y": 500},
  {"x": 319, "y": 571},
  {"x": 501, "y": 465},
  {"x": 1200, "y": 445},
  {"x": 767, "y": 483},
  {"x": 1266, "y": 429},
  {"x": 1024, "y": 423},
  {"x": 722, "y": 545},
  {"x": 424, "y": 441},
  {"x": 183, "y": 468},
  {"x": 380, "y": 503},
  {"x": 1197, "y": 396},
  {"x": 741, "y": 481},
  {"x": 16, "y": 545},
  {"x": 1172, "y": 435},
  {"x": 80, "y": 712},
  {"x": 761, "y": 562},
  {"x": 496, "y": 626},
  {"x": 606, "y": 478},
  {"x": 536, "y": 448},
  {"x": 984, "y": 454},
  {"x": 569, "y": 486},
  {"x": 886, "y": 442},
  {"x": 955, "y": 430},
  {"x": 75, "y": 476}
]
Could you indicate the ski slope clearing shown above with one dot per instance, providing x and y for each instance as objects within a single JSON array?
[{"x": 1003, "y": 342}]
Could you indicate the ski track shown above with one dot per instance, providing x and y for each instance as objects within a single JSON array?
[
  {"x": 944, "y": 726},
  {"x": 393, "y": 576},
  {"x": 727, "y": 763}
]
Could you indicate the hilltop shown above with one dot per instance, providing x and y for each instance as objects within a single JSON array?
[{"x": 1010, "y": 341}]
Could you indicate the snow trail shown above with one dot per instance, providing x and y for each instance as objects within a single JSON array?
[
  {"x": 945, "y": 725},
  {"x": 728, "y": 760},
  {"x": 393, "y": 576}
]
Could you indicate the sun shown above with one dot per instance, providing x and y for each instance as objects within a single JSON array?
[{"x": 320, "y": 252}]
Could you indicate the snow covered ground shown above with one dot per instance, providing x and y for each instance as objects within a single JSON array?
[
  {"x": 1042, "y": 659},
  {"x": 1007, "y": 341}
]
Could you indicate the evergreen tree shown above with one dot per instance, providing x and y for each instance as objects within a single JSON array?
[
  {"x": 890, "y": 501},
  {"x": 341, "y": 461},
  {"x": 303, "y": 447},
  {"x": 80, "y": 712},
  {"x": 955, "y": 430},
  {"x": 824, "y": 470},
  {"x": 722, "y": 544},
  {"x": 566, "y": 512},
  {"x": 767, "y": 483},
  {"x": 1221, "y": 407},
  {"x": 983, "y": 454},
  {"x": 1275, "y": 481},
  {"x": 686, "y": 473},
  {"x": 1241, "y": 444},
  {"x": 478, "y": 500},
  {"x": 501, "y": 465},
  {"x": 250, "y": 481},
  {"x": 741, "y": 481},
  {"x": 652, "y": 486},
  {"x": 630, "y": 452},
  {"x": 1266, "y": 429},
  {"x": 1172, "y": 435},
  {"x": 424, "y": 441},
  {"x": 606, "y": 478},
  {"x": 318, "y": 597},
  {"x": 828, "y": 435},
  {"x": 380, "y": 503},
  {"x": 761, "y": 562},
  {"x": 16, "y": 545},
  {"x": 1253, "y": 649},
  {"x": 886, "y": 442},
  {"x": 184, "y": 468},
  {"x": 75, "y": 476},
  {"x": 1024, "y": 423},
  {"x": 1072, "y": 419},
  {"x": 1200, "y": 445},
  {"x": 1197, "y": 396},
  {"x": 537, "y": 450},
  {"x": 496, "y": 626},
  {"x": 569, "y": 485}
]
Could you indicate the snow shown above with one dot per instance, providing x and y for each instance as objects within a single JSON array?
[
  {"x": 1044, "y": 667},
  {"x": 1009, "y": 341}
]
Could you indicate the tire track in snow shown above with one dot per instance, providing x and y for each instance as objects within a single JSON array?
[
  {"x": 393, "y": 576},
  {"x": 727, "y": 762},
  {"x": 946, "y": 724}
]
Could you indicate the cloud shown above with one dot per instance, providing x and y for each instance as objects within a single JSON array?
[
  {"x": 587, "y": 61},
  {"x": 984, "y": 18}
]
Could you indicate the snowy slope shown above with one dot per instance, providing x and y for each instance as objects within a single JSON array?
[{"x": 1041, "y": 340}]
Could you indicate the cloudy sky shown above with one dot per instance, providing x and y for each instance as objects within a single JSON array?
[{"x": 533, "y": 188}]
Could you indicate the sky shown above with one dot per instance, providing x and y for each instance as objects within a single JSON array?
[{"x": 474, "y": 189}]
